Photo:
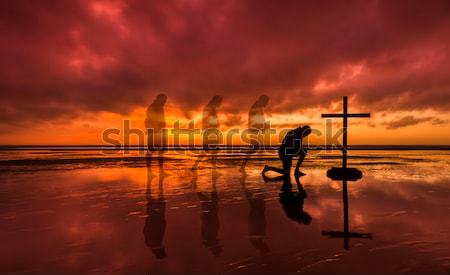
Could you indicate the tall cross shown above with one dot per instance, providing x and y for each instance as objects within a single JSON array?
[
  {"x": 345, "y": 115},
  {"x": 345, "y": 174}
]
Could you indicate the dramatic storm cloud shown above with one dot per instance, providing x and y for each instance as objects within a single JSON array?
[{"x": 63, "y": 58}]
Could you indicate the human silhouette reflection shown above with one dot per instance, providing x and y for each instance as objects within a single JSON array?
[
  {"x": 257, "y": 222},
  {"x": 155, "y": 223},
  {"x": 155, "y": 124},
  {"x": 210, "y": 126},
  {"x": 209, "y": 215},
  {"x": 256, "y": 126},
  {"x": 292, "y": 201}
]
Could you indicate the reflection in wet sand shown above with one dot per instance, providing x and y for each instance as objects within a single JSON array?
[
  {"x": 257, "y": 222},
  {"x": 210, "y": 214},
  {"x": 292, "y": 201},
  {"x": 155, "y": 223},
  {"x": 345, "y": 175},
  {"x": 91, "y": 220}
]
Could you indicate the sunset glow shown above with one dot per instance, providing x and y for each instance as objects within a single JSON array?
[{"x": 74, "y": 69}]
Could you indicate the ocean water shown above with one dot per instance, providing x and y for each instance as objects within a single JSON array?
[{"x": 88, "y": 211}]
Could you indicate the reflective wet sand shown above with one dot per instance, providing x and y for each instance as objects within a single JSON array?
[{"x": 153, "y": 216}]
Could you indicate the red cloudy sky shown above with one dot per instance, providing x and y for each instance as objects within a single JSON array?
[{"x": 71, "y": 69}]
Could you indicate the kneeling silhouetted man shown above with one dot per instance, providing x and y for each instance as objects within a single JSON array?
[{"x": 291, "y": 146}]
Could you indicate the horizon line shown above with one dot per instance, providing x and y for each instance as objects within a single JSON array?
[{"x": 219, "y": 147}]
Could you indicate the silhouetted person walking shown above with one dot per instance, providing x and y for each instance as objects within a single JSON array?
[
  {"x": 256, "y": 126},
  {"x": 155, "y": 124},
  {"x": 210, "y": 127},
  {"x": 292, "y": 202},
  {"x": 291, "y": 146},
  {"x": 257, "y": 222},
  {"x": 256, "y": 118},
  {"x": 155, "y": 223}
]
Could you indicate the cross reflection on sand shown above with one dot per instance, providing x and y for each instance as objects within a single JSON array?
[
  {"x": 349, "y": 175},
  {"x": 160, "y": 216}
]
